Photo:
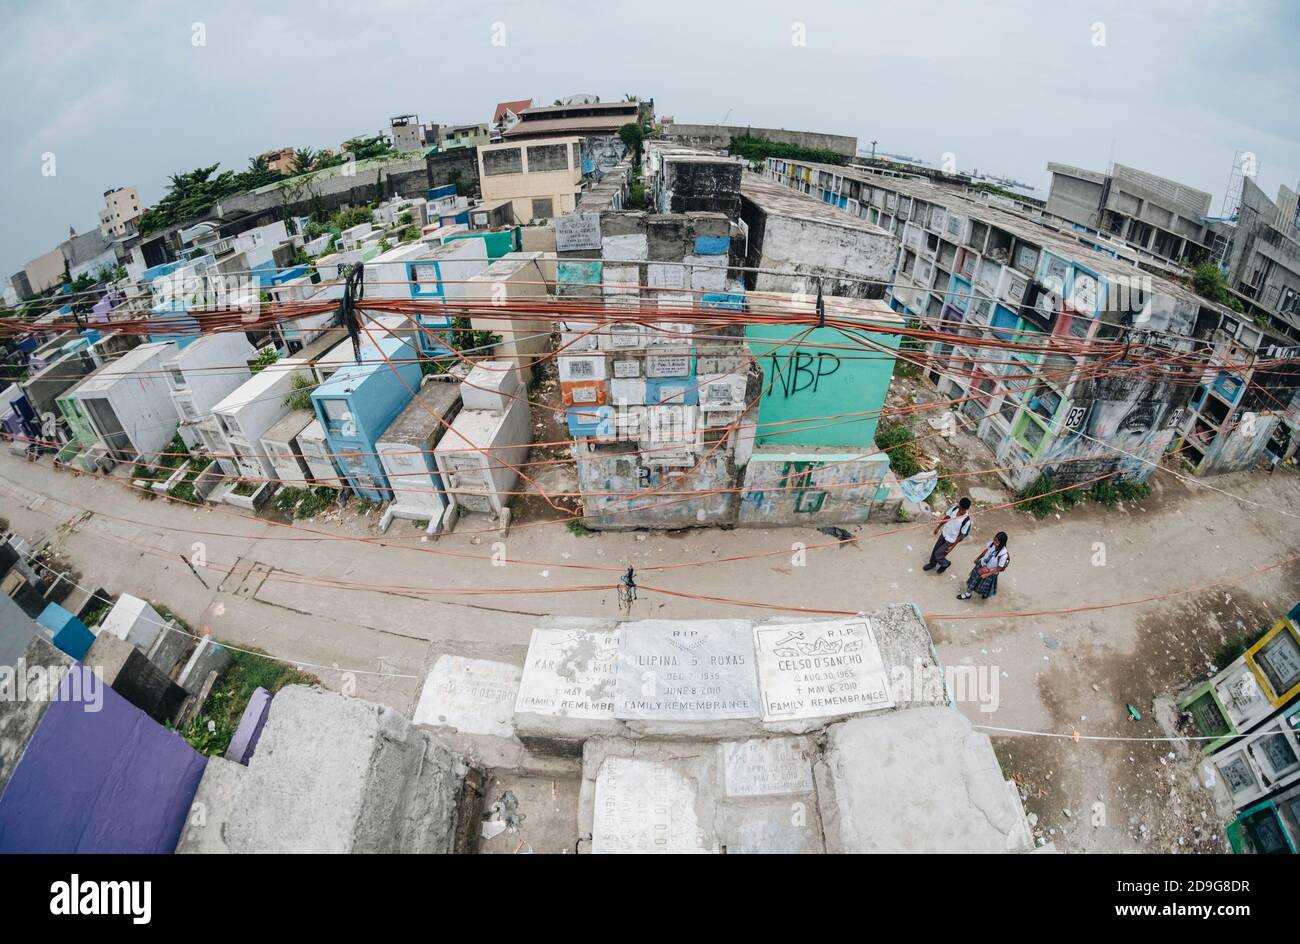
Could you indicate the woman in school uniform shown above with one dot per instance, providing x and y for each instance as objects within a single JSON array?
[{"x": 991, "y": 561}]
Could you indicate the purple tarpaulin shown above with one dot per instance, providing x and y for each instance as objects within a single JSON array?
[{"x": 111, "y": 780}]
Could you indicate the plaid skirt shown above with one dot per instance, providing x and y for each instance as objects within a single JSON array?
[{"x": 984, "y": 586}]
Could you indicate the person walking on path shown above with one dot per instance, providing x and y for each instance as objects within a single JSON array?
[
  {"x": 952, "y": 530},
  {"x": 989, "y": 563}
]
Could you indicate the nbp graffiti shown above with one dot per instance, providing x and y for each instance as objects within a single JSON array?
[{"x": 801, "y": 371}]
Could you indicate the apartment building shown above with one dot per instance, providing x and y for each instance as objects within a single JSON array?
[
  {"x": 121, "y": 210},
  {"x": 967, "y": 266}
]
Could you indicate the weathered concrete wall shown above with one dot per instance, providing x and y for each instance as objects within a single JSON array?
[
  {"x": 333, "y": 774},
  {"x": 709, "y": 185},
  {"x": 54, "y": 380},
  {"x": 719, "y": 136},
  {"x": 1074, "y": 199},
  {"x": 409, "y": 178},
  {"x": 44, "y": 272},
  {"x": 807, "y": 488},
  {"x": 916, "y": 782},
  {"x": 19, "y": 717},
  {"x": 526, "y": 276},
  {"x": 1120, "y": 412},
  {"x": 610, "y": 477},
  {"x": 806, "y": 251},
  {"x": 1240, "y": 447}
]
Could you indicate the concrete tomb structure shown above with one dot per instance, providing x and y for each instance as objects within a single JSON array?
[
  {"x": 336, "y": 774},
  {"x": 820, "y": 669},
  {"x": 684, "y": 670},
  {"x": 587, "y": 678},
  {"x": 707, "y": 797},
  {"x": 916, "y": 781}
]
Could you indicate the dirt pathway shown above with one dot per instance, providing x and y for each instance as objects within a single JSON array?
[{"x": 1055, "y": 673}]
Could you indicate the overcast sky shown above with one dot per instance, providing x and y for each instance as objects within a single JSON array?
[{"x": 121, "y": 94}]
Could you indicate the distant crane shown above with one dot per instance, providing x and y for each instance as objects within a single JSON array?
[{"x": 726, "y": 116}]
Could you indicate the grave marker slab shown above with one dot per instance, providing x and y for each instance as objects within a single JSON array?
[
  {"x": 767, "y": 767},
  {"x": 474, "y": 696},
  {"x": 687, "y": 670},
  {"x": 820, "y": 669},
  {"x": 570, "y": 673},
  {"x": 644, "y": 805},
  {"x": 577, "y": 231}
]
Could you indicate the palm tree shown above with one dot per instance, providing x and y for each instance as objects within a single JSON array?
[{"x": 304, "y": 159}]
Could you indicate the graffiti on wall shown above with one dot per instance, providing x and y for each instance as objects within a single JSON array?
[
  {"x": 1117, "y": 423},
  {"x": 799, "y": 372},
  {"x": 819, "y": 387},
  {"x": 809, "y": 489},
  {"x": 601, "y": 155}
]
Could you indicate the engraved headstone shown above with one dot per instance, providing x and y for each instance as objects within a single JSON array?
[
  {"x": 570, "y": 673},
  {"x": 767, "y": 767},
  {"x": 687, "y": 670},
  {"x": 644, "y": 805},
  {"x": 577, "y": 231},
  {"x": 666, "y": 275},
  {"x": 668, "y": 365},
  {"x": 474, "y": 696},
  {"x": 820, "y": 669}
]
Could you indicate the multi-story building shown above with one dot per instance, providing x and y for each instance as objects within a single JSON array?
[
  {"x": 463, "y": 136},
  {"x": 541, "y": 178},
  {"x": 280, "y": 160},
  {"x": 1149, "y": 213},
  {"x": 506, "y": 115},
  {"x": 581, "y": 118},
  {"x": 1045, "y": 304},
  {"x": 1261, "y": 254},
  {"x": 596, "y": 123},
  {"x": 408, "y": 135},
  {"x": 121, "y": 210}
]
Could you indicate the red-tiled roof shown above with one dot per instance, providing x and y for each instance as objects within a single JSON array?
[{"x": 515, "y": 107}]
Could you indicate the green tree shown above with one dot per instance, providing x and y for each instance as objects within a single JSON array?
[
  {"x": 327, "y": 158},
  {"x": 192, "y": 193},
  {"x": 304, "y": 160},
  {"x": 365, "y": 148},
  {"x": 1208, "y": 282},
  {"x": 633, "y": 136},
  {"x": 756, "y": 149}
]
